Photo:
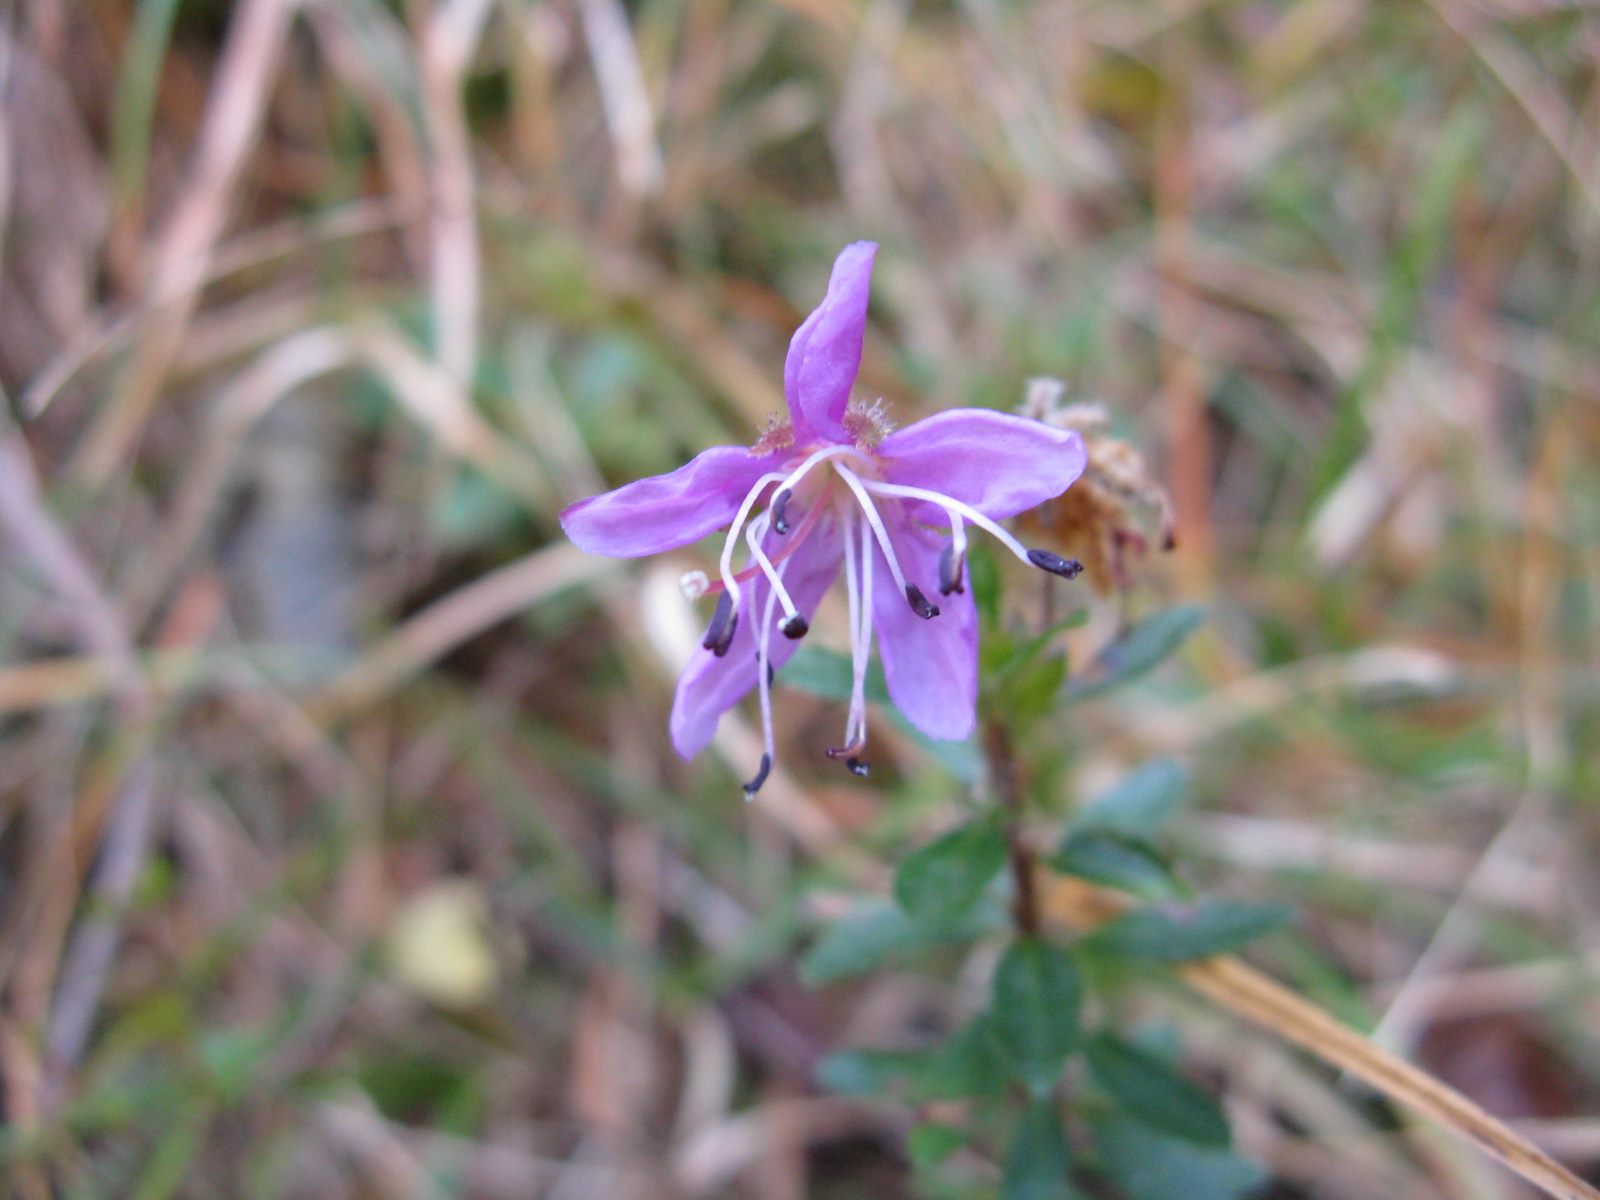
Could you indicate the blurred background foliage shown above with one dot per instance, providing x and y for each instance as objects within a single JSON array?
[{"x": 342, "y": 851}]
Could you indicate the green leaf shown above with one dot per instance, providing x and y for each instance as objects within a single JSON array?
[
  {"x": 864, "y": 1072},
  {"x": 1146, "y": 1165},
  {"x": 1005, "y": 655},
  {"x": 1035, "y": 689},
  {"x": 1139, "y": 804},
  {"x": 879, "y": 930},
  {"x": 858, "y": 941},
  {"x": 1037, "y": 998},
  {"x": 1147, "y": 1088},
  {"x": 930, "y": 1144},
  {"x": 1038, "y": 1164},
  {"x": 1115, "y": 861},
  {"x": 945, "y": 878},
  {"x": 181, "y": 1140},
  {"x": 983, "y": 578},
  {"x": 827, "y": 673},
  {"x": 1141, "y": 649},
  {"x": 1176, "y": 932},
  {"x": 970, "y": 1062}
]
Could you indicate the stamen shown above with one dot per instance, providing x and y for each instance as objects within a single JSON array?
[
  {"x": 859, "y": 592},
  {"x": 780, "y": 505},
  {"x": 955, "y": 508},
  {"x": 795, "y": 628},
  {"x": 725, "y": 563},
  {"x": 754, "y": 786},
  {"x": 764, "y": 675},
  {"x": 870, "y": 512},
  {"x": 752, "y": 537},
  {"x": 1042, "y": 559},
  {"x": 1067, "y": 568},
  {"x": 786, "y": 483},
  {"x": 953, "y": 558},
  {"x": 950, "y": 572},
  {"x": 860, "y": 768},
  {"x": 724, "y": 621},
  {"x": 920, "y": 603},
  {"x": 790, "y": 545}
]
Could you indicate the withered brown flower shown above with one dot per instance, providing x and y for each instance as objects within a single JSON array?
[{"x": 1116, "y": 508}]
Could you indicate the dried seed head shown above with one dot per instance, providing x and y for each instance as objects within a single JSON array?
[{"x": 1109, "y": 516}]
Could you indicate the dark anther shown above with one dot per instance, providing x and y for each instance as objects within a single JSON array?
[
  {"x": 772, "y": 672},
  {"x": 1067, "y": 568},
  {"x": 795, "y": 628},
  {"x": 919, "y": 603},
  {"x": 858, "y": 768},
  {"x": 950, "y": 569},
  {"x": 719, "y": 634},
  {"x": 780, "y": 518},
  {"x": 754, "y": 786},
  {"x": 1169, "y": 540}
]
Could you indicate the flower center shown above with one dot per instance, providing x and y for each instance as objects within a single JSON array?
[{"x": 797, "y": 499}]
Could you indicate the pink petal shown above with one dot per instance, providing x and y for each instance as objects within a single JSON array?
[
  {"x": 999, "y": 463},
  {"x": 664, "y": 512},
  {"x": 825, "y": 353},
  {"x": 709, "y": 685},
  {"x": 930, "y": 665}
]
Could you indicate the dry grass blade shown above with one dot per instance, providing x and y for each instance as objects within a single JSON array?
[
  {"x": 1246, "y": 992},
  {"x": 183, "y": 253},
  {"x": 28, "y": 523},
  {"x": 462, "y": 615}
]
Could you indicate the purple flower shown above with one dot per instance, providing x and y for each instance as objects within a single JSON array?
[{"x": 834, "y": 487}]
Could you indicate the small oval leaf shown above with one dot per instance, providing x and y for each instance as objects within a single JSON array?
[
  {"x": 944, "y": 879},
  {"x": 1138, "y": 804},
  {"x": 1141, "y": 649},
  {"x": 1148, "y": 1089},
  {"x": 1038, "y": 995},
  {"x": 1039, "y": 1161},
  {"x": 1115, "y": 861},
  {"x": 1146, "y": 1165},
  {"x": 1174, "y": 933}
]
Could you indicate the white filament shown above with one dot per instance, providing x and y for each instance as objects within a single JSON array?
[
  {"x": 785, "y": 483},
  {"x": 870, "y": 512},
  {"x": 860, "y": 648},
  {"x": 860, "y": 608},
  {"x": 753, "y": 535},
  {"x": 956, "y": 510},
  {"x": 763, "y": 683},
  {"x": 958, "y": 544},
  {"x": 725, "y": 563}
]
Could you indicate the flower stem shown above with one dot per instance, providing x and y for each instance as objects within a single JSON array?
[{"x": 1008, "y": 784}]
